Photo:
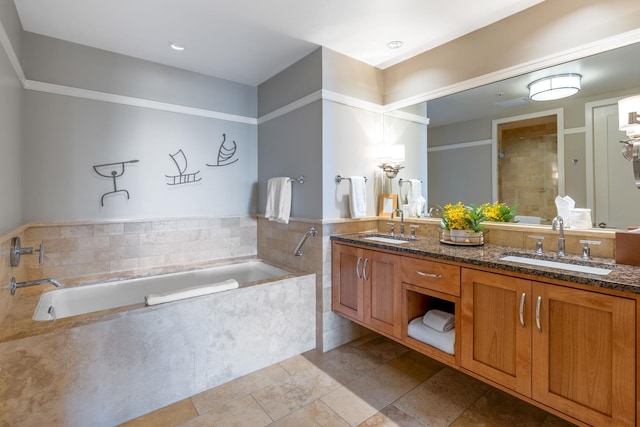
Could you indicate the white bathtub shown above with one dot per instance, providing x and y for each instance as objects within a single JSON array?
[{"x": 66, "y": 302}]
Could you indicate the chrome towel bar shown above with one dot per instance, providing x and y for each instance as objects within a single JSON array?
[{"x": 340, "y": 178}]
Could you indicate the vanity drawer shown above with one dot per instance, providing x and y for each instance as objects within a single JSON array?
[{"x": 432, "y": 275}]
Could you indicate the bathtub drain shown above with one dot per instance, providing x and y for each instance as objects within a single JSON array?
[{"x": 52, "y": 312}]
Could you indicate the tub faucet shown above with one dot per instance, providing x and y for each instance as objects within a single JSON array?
[
  {"x": 15, "y": 284},
  {"x": 401, "y": 220},
  {"x": 558, "y": 222}
]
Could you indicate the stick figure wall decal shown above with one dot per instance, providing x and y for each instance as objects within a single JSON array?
[
  {"x": 180, "y": 161},
  {"x": 225, "y": 153},
  {"x": 113, "y": 171}
]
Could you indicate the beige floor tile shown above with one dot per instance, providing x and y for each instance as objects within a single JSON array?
[
  {"x": 349, "y": 405},
  {"x": 382, "y": 350},
  {"x": 505, "y": 410},
  {"x": 297, "y": 365},
  {"x": 442, "y": 398},
  {"x": 473, "y": 419},
  {"x": 171, "y": 415},
  {"x": 242, "y": 412},
  {"x": 297, "y": 391},
  {"x": 553, "y": 421},
  {"x": 314, "y": 414},
  {"x": 225, "y": 393},
  {"x": 362, "y": 398},
  {"x": 391, "y": 416},
  {"x": 416, "y": 365}
]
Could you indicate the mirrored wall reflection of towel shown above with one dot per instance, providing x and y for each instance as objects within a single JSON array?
[
  {"x": 415, "y": 190},
  {"x": 358, "y": 196},
  {"x": 278, "y": 200}
]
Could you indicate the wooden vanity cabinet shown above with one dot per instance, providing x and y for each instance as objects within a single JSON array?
[
  {"x": 366, "y": 287},
  {"x": 566, "y": 348}
]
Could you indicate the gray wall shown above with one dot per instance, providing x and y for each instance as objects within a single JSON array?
[
  {"x": 11, "y": 99},
  {"x": 65, "y": 136}
]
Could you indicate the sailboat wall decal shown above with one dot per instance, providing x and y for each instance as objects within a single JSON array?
[
  {"x": 225, "y": 153},
  {"x": 183, "y": 176}
]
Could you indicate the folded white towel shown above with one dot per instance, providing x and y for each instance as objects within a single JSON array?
[
  {"x": 415, "y": 190},
  {"x": 444, "y": 341},
  {"x": 358, "y": 197},
  {"x": 439, "y": 320},
  {"x": 195, "y": 291},
  {"x": 278, "y": 200}
]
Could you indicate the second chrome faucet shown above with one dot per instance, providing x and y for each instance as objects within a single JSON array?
[{"x": 558, "y": 223}]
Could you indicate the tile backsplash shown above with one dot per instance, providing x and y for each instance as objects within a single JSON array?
[{"x": 73, "y": 250}]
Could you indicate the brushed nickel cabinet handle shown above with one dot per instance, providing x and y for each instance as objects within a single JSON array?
[
  {"x": 358, "y": 267},
  {"x": 364, "y": 269},
  {"x": 522, "y": 298},
  {"x": 538, "y": 304},
  {"x": 435, "y": 276}
]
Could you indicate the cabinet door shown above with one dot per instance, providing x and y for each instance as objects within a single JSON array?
[
  {"x": 584, "y": 354},
  {"x": 382, "y": 292},
  {"x": 496, "y": 328},
  {"x": 347, "y": 281}
]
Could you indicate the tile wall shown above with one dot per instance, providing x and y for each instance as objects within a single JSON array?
[{"x": 77, "y": 250}]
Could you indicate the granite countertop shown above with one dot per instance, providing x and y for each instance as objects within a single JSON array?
[{"x": 624, "y": 278}]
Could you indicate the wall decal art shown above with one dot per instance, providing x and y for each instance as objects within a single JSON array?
[
  {"x": 181, "y": 164},
  {"x": 225, "y": 153},
  {"x": 113, "y": 171}
]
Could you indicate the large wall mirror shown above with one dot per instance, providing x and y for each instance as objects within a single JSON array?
[{"x": 493, "y": 143}]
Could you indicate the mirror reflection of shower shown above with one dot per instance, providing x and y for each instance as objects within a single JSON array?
[{"x": 113, "y": 171}]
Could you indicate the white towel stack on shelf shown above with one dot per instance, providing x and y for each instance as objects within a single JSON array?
[
  {"x": 278, "y": 206},
  {"x": 195, "y": 291},
  {"x": 358, "y": 196},
  {"x": 436, "y": 328}
]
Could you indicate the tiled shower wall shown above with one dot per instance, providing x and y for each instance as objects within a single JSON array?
[{"x": 76, "y": 250}]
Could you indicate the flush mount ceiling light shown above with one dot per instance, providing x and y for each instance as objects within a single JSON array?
[
  {"x": 554, "y": 87},
  {"x": 396, "y": 44},
  {"x": 176, "y": 46}
]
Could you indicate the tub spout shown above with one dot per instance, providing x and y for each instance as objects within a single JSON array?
[
  {"x": 15, "y": 285},
  {"x": 311, "y": 232}
]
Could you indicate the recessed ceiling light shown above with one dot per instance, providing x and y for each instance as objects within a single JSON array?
[
  {"x": 396, "y": 44},
  {"x": 176, "y": 46}
]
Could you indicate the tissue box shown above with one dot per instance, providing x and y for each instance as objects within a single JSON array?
[{"x": 627, "y": 248}]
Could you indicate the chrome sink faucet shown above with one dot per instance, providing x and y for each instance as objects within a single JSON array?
[
  {"x": 558, "y": 222},
  {"x": 401, "y": 220}
]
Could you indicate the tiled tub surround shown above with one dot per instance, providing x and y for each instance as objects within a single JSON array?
[
  {"x": 82, "y": 251},
  {"x": 106, "y": 368}
]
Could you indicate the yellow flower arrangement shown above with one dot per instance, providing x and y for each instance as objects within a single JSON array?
[
  {"x": 498, "y": 212},
  {"x": 462, "y": 217}
]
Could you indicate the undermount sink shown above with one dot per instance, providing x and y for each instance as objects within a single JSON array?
[
  {"x": 561, "y": 265},
  {"x": 383, "y": 239}
]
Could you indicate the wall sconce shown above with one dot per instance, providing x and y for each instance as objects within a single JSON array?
[
  {"x": 629, "y": 122},
  {"x": 554, "y": 87},
  {"x": 390, "y": 156}
]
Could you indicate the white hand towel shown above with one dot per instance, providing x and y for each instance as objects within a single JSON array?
[
  {"x": 195, "y": 291},
  {"x": 444, "y": 341},
  {"x": 415, "y": 190},
  {"x": 358, "y": 197},
  {"x": 439, "y": 320},
  {"x": 278, "y": 200}
]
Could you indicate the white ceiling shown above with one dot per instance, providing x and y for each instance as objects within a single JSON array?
[{"x": 248, "y": 41}]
